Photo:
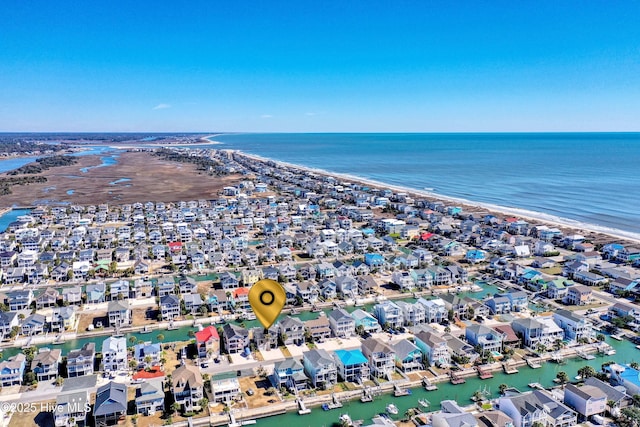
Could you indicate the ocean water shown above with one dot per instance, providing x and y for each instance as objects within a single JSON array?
[{"x": 589, "y": 178}]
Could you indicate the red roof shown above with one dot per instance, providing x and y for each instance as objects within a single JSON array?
[
  {"x": 240, "y": 291},
  {"x": 206, "y": 334},
  {"x": 426, "y": 236},
  {"x": 153, "y": 373},
  {"x": 512, "y": 219},
  {"x": 174, "y": 246}
]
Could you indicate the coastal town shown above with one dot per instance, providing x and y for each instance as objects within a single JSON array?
[{"x": 138, "y": 314}]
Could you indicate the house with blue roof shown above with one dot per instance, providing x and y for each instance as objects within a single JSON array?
[
  {"x": 352, "y": 365},
  {"x": 147, "y": 354},
  {"x": 367, "y": 321},
  {"x": 475, "y": 256},
  {"x": 374, "y": 260},
  {"x": 519, "y": 300}
]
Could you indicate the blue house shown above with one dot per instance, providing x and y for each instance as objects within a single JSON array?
[
  {"x": 475, "y": 255},
  {"x": 352, "y": 365},
  {"x": 374, "y": 260},
  {"x": 368, "y": 322}
]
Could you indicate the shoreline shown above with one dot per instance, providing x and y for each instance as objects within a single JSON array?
[{"x": 530, "y": 216}]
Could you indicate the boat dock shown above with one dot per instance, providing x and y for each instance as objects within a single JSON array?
[
  {"x": 585, "y": 356},
  {"x": 428, "y": 385},
  {"x": 366, "y": 396},
  {"x": 398, "y": 391},
  {"x": 509, "y": 369},
  {"x": 334, "y": 404},
  {"x": 302, "y": 409},
  {"x": 533, "y": 364},
  {"x": 484, "y": 374},
  {"x": 456, "y": 379}
]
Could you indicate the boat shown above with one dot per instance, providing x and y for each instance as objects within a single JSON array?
[
  {"x": 606, "y": 349},
  {"x": 345, "y": 420},
  {"x": 585, "y": 356},
  {"x": 424, "y": 403},
  {"x": 638, "y": 346},
  {"x": 618, "y": 337},
  {"x": 392, "y": 409},
  {"x": 171, "y": 326},
  {"x": 334, "y": 404},
  {"x": 366, "y": 396},
  {"x": 146, "y": 330},
  {"x": 536, "y": 386}
]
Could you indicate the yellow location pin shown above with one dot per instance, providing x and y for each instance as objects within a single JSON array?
[{"x": 267, "y": 297}]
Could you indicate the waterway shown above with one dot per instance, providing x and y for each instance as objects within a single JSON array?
[{"x": 11, "y": 216}]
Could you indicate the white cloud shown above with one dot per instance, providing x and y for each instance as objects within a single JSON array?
[
  {"x": 310, "y": 114},
  {"x": 161, "y": 106},
  {"x": 266, "y": 116}
]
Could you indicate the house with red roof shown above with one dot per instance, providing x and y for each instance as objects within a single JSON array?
[
  {"x": 208, "y": 342},
  {"x": 175, "y": 247}
]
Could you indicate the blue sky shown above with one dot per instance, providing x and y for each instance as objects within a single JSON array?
[{"x": 319, "y": 66}]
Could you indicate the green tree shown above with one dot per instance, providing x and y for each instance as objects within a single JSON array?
[
  {"x": 586, "y": 372},
  {"x": 160, "y": 337},
  {"x": 502, "y": 388},
  {"x": 600, "y": 337},
  {"x": 563, "y": 377},
  {"x": 629, "y": 417}
]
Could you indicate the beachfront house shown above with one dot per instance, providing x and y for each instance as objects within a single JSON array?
[
  {"x": 381, "y": 357},
  {"x": 169, "y": 307},
  {"x": 225, "y": 390},
  {"x": 289, "y": 374},
  {"x": 365, "y": 320},
  {"x": 321, "y": 368},
  {"x": 408, "y": 355},
  {"x": 586, "y": 400},
  {"x": 487, "y": 339},
  {"x": 352, "y": 365},
  {"x": 114, "y": 355},
  {"x": 119, "y": 313},
  {"x": 12, "y": 370},
  {"x": 33, "y": 325},
  {"x": 539, "y": 331},
  {"x": 434, "y": 348},
  {"x": 575, "y": 327},
  {"x": 388, "y": 314},
  {"x": 45, "y": 363},
  {"x": 537, "y": 406},
  {"x": 208, "y": 343},
  {"x": 236, "y": 338},
  {"x": 111, "y": 403},
  {"x": 188, "y": 387},
  {"x": 80, "y": 362},
  {"x": 150, "y": 397},
  {"x": 341, "y": 323}
]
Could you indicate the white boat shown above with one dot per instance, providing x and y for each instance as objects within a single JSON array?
[
  {"x": 424, "y": 403},
  {"x": 392, "y": 409},
  {"x": 345, "y": 420},
  {"x": 617, "y": 337},
  {"x": 147, "y": 330}
]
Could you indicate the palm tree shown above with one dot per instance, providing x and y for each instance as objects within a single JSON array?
[
  {"x": 563, "y": 377},
  {"x": 586, "y": 372},
  {"x": 160, "y": 337},
  {"x": 502, "y": 388}
]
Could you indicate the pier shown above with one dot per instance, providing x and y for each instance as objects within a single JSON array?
[
  {"x": 303, "y": 410},
  {"x": 509, "y": 369},
  {"x": 484, "y": 374}
]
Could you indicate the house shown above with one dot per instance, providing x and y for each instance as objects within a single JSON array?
[
  {"x": 616, "y": 398},
  {"x": 33, "y": 324},
  {"x": 319, "y": 329},
  {"x": 119, "y": 290},
  {"x": 537, "y": 406},
  {"x": 229, "y": 280},
  {"x": 111, "y": 403},
  {"x": 388, "y": 313},
  {"x": 452, "y": 415},
  {"x": 341, "y": 323},
  {"x": 72, "y": 406},
  {"x": 461, "y": 349},
  {"x": 48, "y": 298},
  {"x": 169, "y": 307},
  {"x": 320, "y": 367},
  {"x": 403, "y": 279},
  {"x": 62, "y": 318},
  {"x": 434, "y": 348},
  {"x": 578, "y": 295},
  {"x": 8, "y": 320},
  {"x": 435, "y": 310},
  {"x": 308, "y": 291},
  {"x": 225, "y": 390},
  {"x": 18, "y": 300},
  {"x": 509, "y": 336},
  {"x": 236, "y": 338},
  {"x": 589, "y": 278},
  {"x": 80, "y": 362},
  {"x": 557, "y": 289},
  {"x": 352, "y": 365},
  {"x": 347, "y": 285},
  {"x": 72, "y": 295},
  {"x": 208, "y": 343},
  {"x": 365, "y": 320},
  {"x": 150, "y": 397},
  {"x": 45, "y": 363},
  {"x": 12, "y": 370},
  {"x": 499, "y": 304},
  {"x": 188, "y": 387},
  {"x": 96, "y": 293},
  {"x": 576, "y": 327},
  {"x": 381, "y": 357},
  {"x": 586, "y": 400},
  {"x": 119, "y": 313},
  {"x": 489, "y": 340},
  {"x": 539, "y": 331},
  {"x": 114, "y": 355},
  {"x": 289, "y": 374},
  {"x": 408, "y": 355},
  {"x": 147, "y": 354},
  {"x": 291, "y": 331},
  {"x": 412, "y": 314},
  {"x": 187, "y": 285},
  {"x": 192, "y": 303},
  {"x": 519, "y": 300}
]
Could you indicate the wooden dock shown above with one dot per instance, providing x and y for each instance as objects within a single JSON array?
[
  {"x": 484, "y": 374},
  {"x": 508, "y": 369},
  {"x": 456, "y": 379}
]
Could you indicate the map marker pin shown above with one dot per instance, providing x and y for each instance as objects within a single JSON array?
[{"x": 267, "y": 297}]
